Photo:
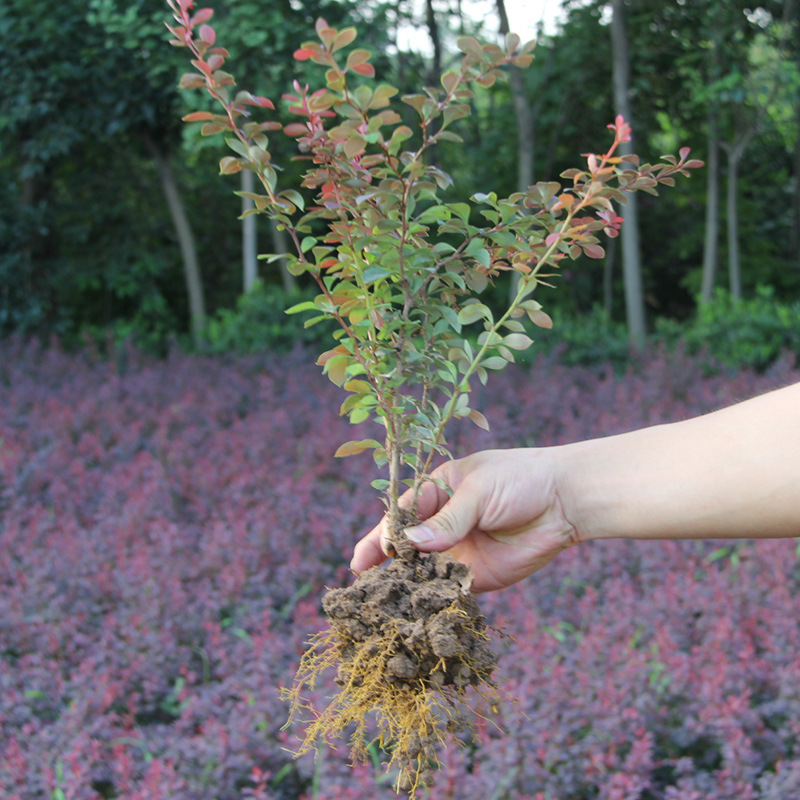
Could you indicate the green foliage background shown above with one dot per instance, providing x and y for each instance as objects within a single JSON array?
[{"x": 86, "y": 243}]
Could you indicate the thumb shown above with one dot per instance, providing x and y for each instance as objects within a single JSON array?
[{"x": 448, "y": 526}]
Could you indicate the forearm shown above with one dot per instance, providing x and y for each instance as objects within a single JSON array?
[{"x": 733, "y": 473}]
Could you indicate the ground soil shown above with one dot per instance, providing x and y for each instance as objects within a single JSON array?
[{"x": 425, "y": 605}]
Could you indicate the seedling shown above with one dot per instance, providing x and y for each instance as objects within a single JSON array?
[{"x": 401, "y": 271}]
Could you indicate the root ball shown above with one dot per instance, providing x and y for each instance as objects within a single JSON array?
[{"x": 407, "y": 640}]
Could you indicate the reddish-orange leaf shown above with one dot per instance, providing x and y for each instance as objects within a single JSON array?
[
  {"x": 198, "y": 116},
  {"x": 192, "y": 81},
  {"x": 203, "y": 15},
  {"x": 296, "y": 129},
  {"x": 540, "y": 319},
  {"x": 229, "y": 165},
  {"x": 352, "y": 448},
  {"x": 207, "y": 34},
  {"x": 210, "y": 128},
  {"x": 479, "y": 419}
]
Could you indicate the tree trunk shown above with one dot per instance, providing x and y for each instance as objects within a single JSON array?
[
  {"x": 732, "y": 211},
  {"x": 522, "y": 112},
  {"x": 735, "y": 151},
  {"x": 795, "y": 229},
  {"x": 711, "y": 245},
  {"x": 435, "y": 73},
  {"x": 524, "y": 117},
  {"x": 608, "y": 277},
  {"x": 27, "y": 199},
  {"x": 183, "y": 230},
  {"x": 793, "y": 24},
  {"x": 249, "y": 235},
  {"x": 629, "y": 237}
]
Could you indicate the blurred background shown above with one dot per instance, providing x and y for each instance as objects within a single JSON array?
[{"x": 115, "y": 225}]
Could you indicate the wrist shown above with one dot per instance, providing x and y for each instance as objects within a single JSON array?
[{"x": 614, "y": 487}]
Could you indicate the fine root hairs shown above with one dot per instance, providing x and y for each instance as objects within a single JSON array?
[{"x": 414, "y": 716}]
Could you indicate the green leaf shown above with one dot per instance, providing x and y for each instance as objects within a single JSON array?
[
  {"x": 294, "y": 197},
  {"x": 495, "y": 362},
  {"x": 452, "y": 318},
  {"x": 372, "y": 274},
  {"x": 307, "y": 305},
  {"x": 461, "y": 210},
  {"x": 476, "y": 280},
  {"x": 359, "y": 415},
  {"x": 492, "y": 337},
  {"x": 336, "y": 368},
  {"x": 435, "y": 213},
  {"x": 503, "y": 238},
  {"x": 238, "y": 146},
  {"x": 307, "y": 243},
  {"x": 481, "y": 255},
  {"x": 473, "y": 312},
  {"x": 358, "y": 387}
]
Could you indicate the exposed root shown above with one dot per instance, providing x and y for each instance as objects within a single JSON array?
[{"x": 407, "y": 642}]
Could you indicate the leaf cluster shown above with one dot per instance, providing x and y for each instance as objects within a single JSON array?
[{"x": 399, "y": 267}]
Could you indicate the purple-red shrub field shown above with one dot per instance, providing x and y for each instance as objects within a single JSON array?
[{"x": 166, "y": 532}]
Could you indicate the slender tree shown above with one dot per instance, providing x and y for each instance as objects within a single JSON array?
[
  {"x": 631, "y": 261},
  {"x": 523, "y": 113},
  {"x": 711, "y": 234}
]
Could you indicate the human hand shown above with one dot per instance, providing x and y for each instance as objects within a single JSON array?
[{"x": 505, "y": 517}]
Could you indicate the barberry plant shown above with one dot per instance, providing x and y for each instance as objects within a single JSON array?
[
  {"x": 401, "y": 270},
  {"x": 398, "y": 268}
]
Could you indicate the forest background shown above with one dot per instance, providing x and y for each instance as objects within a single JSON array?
[{"x": 114, "y": 224}]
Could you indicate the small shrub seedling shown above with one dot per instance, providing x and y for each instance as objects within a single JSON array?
[{"x": 401, "y": 271}]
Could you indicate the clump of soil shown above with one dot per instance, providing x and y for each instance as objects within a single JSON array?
[{"x": 407, "y": 641}]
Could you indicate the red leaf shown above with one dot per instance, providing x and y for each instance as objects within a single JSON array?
[
  {"x": 540, "y": 318},
  {"x": 303, "y": 54},
  {"x": 230, "y": 165},
  {"x": 365, "y": 69},
  {"x": 191, "y": 81},
  {"x": 207, "y": 34},
  {"x": 198, "y": 116},
  {"x": 296, "y": 129},
  {"x": 247, "y": 99},
  {"x": 479, "y": 419},
  {"x": 210, "y": 128},
  {"x": 593, "y": 250},
  {"x": 203, "y": 15},
  {"x": 202, "y": 66}
]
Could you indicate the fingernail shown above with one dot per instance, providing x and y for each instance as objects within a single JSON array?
[{"x": 419, "y": 534}]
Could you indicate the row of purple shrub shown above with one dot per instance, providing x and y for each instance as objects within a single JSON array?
[{"x": 166, "y": 532}]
